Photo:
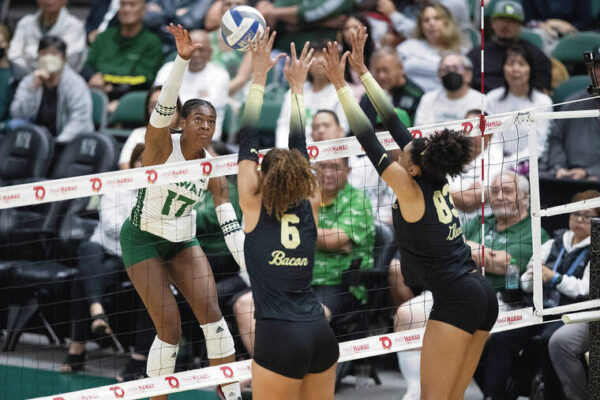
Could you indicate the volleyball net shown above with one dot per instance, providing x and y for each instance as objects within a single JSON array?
[{"x": 43, "y": 226}]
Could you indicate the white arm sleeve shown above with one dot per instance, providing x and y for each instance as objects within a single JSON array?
[
  {"x": 167, "y": 100},
  {"x": 234, "y": 236}
]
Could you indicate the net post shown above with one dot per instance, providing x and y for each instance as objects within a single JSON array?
[
  {"x": 536, "y": 221},
  {"x": 594, "y": 370}
]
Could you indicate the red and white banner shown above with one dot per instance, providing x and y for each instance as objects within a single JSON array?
[
  {"x": 212, "y": 376},
  {"x": 89, "y": 185}
]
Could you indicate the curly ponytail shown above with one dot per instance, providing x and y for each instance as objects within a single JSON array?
[
  {"x": 444, "y": 153},
  {"x": 287, "y": 179}
]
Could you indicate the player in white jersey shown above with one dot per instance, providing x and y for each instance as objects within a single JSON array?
[{"x": 158, "y": 240}]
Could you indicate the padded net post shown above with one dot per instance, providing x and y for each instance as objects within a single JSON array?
[{"x": 594, "y": 377}]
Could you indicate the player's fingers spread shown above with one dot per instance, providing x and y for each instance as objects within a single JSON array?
[
  {"x": 293, "y": 51},
  {"x": 271, "y": 40},
  {"x": 309, "y": 57},
  {"x": 345, "y": 57},
  {"x": 305, "y": 50}
]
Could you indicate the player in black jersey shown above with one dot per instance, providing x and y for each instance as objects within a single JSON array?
[
  {"x": 295, "y": 350},
  {"x": 434, "y": 254}
]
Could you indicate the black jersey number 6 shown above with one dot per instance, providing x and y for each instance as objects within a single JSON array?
[{"x": 290, "y": 235}]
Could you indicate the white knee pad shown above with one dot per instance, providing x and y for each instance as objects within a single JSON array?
[
  {"x": 161, "y": 358},
  {"x": 219, "y": 342}
]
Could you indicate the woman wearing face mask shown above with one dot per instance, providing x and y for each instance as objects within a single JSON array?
[
  {"x": 54, "y": 96},
  {"x": 519, "y": 93},
  {"x": 10, "y": 74}
]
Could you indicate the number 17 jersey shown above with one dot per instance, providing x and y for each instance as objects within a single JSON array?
[{"x": 168, "y": 210}]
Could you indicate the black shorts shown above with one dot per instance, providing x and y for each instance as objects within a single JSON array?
[
  {"x": 294, "y": 349},
  {"x": 468, "y": 303}
]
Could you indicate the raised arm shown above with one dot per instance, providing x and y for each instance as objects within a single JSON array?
[
  {"x": 158, "y": 138},
  {"x": 377, "y": 95},
  {"x": 295, "y": 71},
  {"x": 248, "y": 179},
  {"x": 394, "y": 175}
]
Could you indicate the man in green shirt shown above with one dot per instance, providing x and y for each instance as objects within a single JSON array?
[
  {"x": 346, "y": 236},
  {"x": 507, "y": 232},
  {"x": 125, "y": 57}
]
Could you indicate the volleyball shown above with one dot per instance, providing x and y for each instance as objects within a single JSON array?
[{"x": 240, "y": 25}]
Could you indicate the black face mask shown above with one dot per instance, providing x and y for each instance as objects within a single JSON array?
[{"x": 452, "y": 81}]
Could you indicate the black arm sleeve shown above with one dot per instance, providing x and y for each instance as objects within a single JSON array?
[
  {"x": 362, "y": 128},
  {"x": 297, "y": 137},
  {"x": 385, "y": 108},
  {"x": 249, "y": 132}
]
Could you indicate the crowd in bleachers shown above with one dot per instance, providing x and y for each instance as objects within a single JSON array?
[{"x": 73, "y": 88}]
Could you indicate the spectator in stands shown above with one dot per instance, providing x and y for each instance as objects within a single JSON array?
[
  {"x": 466, "y": 188},
  {"x": 388, "y": 71},
  {"x": 404, "y": 15},
  {"x": 519, "y": 92},
  {"x": 351, "y": 25},
  {"x": 436, "y": 31},
  {"x": 555, "y": 18},
  {"x": 346, "y": 236},
  {"x": 507, "y": 232},
  {"x": 54, "y": 96},
  {"x": 574, "y": 144},
  {"x": 10, "y": 74},
  {"x": 566, "y": 277},
  {"x": 507, "y": 237},
  {"x": 299, "y": 22},
  {"x": 52, "y": 19},
  {"x": 319, "y": 94},
  {"x": 202, "y": 79},
  {"x": 138, "y": 135},
  {"x": 451, "y": 102},
  {"x": 100, "y": 266},
  {"x": 507, "y": 18},
  {"x": 567, "y": 348},
  {"x": 102, "y": 14},
  {"x": 187, "y": 13},
  {"x": 125, "y": 57}
]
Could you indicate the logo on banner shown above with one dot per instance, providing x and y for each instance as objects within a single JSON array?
[
  {"x": 313, "y": 152},
  {"x": 40, "y": 192},
  {"x": 417, "y": 134},
  {"x": 206, "y": 168},
  {"x": 386, "y": 343},
  {"x": 467, "y": 127},
  {"x": 172, "y": 381},
  {"x": 412, "y": 338},
  {"x": 118, "y": 391},
  {"x": 96, "y": 184},
  {"x": 152, "y": 175},
  {"x": 227, "y": 371}
]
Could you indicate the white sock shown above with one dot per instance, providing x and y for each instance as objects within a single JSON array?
[
  {"x": 410, "y": 365},
  {"x": 232, "y": 391}
]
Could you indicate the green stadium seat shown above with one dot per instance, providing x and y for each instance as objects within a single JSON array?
[
  {"x": 130, "y": 111},
  {"x": 532, "y": 37},
  {"x": 99, "y": 108},
  {"x": 569, "y": 87},
  {"x": 570, "y": 48}
]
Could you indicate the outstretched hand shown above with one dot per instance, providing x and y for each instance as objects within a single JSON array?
[
  {"x": 184, "y": 45},
  {"x": 357, "y": 58},
  {"x": 295, "y": 69},
  {"x": 333, "y": 65},
  {"x": 261, "y": 56}
]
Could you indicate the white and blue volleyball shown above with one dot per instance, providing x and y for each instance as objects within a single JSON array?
[{"x": 240, "y": 25}]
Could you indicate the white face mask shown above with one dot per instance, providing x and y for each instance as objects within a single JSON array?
[{"x": 51, "y": 63}]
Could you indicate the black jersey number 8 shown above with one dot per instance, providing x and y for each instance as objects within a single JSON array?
[
  {"x": 444, "y": 210},
  {"x": 290, "y": 235}
]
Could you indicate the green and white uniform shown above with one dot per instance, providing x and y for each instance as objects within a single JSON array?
[{"x": 163, "y": 220}]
